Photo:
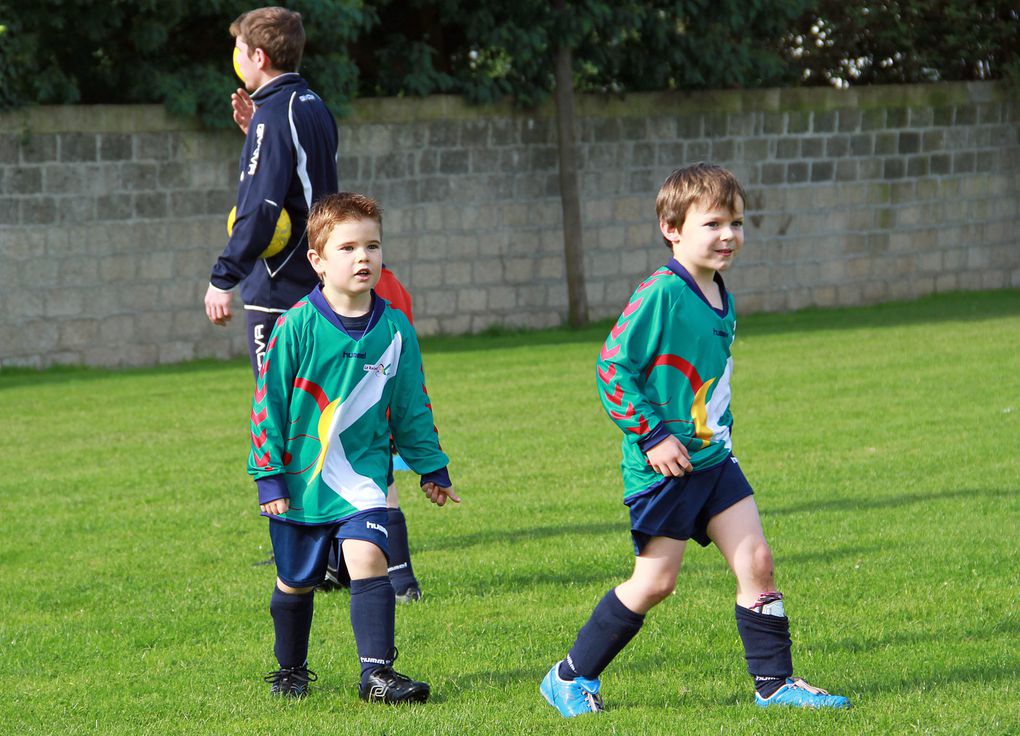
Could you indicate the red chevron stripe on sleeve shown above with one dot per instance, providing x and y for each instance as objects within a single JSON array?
[
  {"x": 606, "y": 375},
  {"x": 609, "y": 353},
  {"x": 632, "y": 307},
  {"x": 616, "y": 397}
]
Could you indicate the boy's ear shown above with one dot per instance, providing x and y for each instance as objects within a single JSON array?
[
  {"x": 316, "y": 260},
  {"x": 669, "y": 232}
]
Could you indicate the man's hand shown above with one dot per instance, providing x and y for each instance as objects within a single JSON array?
[
  {"x": 217, "y": 305},
  {"x": 244, "y": 108},
  {"x": 438, "y": 494},
  {"x": 670, "y": 458},
  {"x": 276, "y": 507}
]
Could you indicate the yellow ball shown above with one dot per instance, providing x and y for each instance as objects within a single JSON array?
[
  {"x": 281, "y": 236},
  {"x": 237, "y": 67}
]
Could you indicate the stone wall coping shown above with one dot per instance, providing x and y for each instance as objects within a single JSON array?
[{"x": 51, "y": 119}]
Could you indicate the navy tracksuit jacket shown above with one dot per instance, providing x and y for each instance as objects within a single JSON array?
[{"x": 289, "y": 160}]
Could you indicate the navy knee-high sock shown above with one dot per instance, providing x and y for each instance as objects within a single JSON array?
[
  {"x": 292, "y": 620},
  {"x": 767, "y": 646},
  {"x": 372, "y": 618},
  {"x": 607, "y": 632},
  {"x": 400, "y": 570}
]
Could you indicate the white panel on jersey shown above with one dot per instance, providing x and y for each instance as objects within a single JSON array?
[
  {"x": 358, "y": 490},
  {"x": 718, "y": 405}
]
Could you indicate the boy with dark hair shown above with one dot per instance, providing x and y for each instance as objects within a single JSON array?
[
  {"x": 342, "y": 373},
  {"x": 663, "y": 377},
  {"x": 288, "y": 161}
]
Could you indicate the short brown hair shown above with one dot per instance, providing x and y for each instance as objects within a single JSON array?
[
  {"x": 702, "y": 182},
  {"x": 333, "y": 209},
  {"x": 275, "y": 30}
]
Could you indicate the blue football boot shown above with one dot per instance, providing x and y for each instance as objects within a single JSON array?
[
  {"x": 571, "y": 697},
  {"x": 798, "y": 694}
]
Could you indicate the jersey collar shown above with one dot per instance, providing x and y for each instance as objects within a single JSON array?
[
  {"x": 318, "y": 300},
  {"x": 675, "y": 267}
]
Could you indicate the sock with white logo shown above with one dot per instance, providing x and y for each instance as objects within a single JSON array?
[
  {"x": 401, "y": 572},
  {"x": 373, "y": 609},
  {"x": 765, "y": 632},
  {"x": 611, "y": 626},
  {"x": 292, "y": 620}
]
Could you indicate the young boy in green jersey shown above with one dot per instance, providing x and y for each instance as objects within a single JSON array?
[
  {"x": 664, "y": 378},
  {"x": 342, "y": 372}
]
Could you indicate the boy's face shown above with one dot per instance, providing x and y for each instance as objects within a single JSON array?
[
  {"x": 250, "y": 66},
  {"x": 351, "y": 260},
  {"x": 709, "y": 239}
]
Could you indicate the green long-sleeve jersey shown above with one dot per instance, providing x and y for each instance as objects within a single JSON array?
[
  {"x": 665, "y": 369},
  {"x": 319, "y": 425}
]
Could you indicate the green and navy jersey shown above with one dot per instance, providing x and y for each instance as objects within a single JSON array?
[
  {"x": 325, "y": 406},
  {"x": 665, "y": 369}
]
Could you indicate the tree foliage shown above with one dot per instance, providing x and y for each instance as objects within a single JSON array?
[
  {"x": 178, "y": 51},
  {"x": 901, "y": 41}
]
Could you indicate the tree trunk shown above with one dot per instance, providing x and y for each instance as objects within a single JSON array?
[{"x": 573, "y": 249}]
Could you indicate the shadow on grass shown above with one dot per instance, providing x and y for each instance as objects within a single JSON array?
[
  {"x": 847, "y": 504},
  {"x": 527, "y": 534},
  {"x": 924, "y": 636}
]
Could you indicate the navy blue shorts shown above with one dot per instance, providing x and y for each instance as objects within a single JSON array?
[
  {"x": 301, "y": 551},
  {"x": 682, "y": 508}
]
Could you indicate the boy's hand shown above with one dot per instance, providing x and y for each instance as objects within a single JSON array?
[
  {"x": 670, "y": 458},
  {"x": 438, "y": 494},
  {"x": 243, "y": 109},
  {"x": 217, "y": 305},
  {"x": 276, "y": 507}
]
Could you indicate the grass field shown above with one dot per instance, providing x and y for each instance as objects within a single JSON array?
[{"x": 883, "y": 444}]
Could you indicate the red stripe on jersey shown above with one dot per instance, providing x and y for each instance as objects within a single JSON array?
[
  {"x": 257, "y": 419},
  {"x": 315, "y": 390},
  {"x": 263, "y": 461},
  {"x": 609, "y": 352},
  {"x": 606, "y": 376},
  {"x": 619, "y": 330},
  {"x": 260, "y": 393},
  {"x": 675, "y": 361},
  {"x": 617, "y": 396},
  {"x": 632, "y": 307},
  {"x": 258, "y": 440}
]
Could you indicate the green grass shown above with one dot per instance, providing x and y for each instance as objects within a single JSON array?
[{"x": 883, "y": 444}]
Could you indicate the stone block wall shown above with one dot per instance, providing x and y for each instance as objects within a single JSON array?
[{"x": 110, "y": 217}]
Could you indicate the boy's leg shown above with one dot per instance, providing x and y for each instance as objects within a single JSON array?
[
  {"x": 572, "y": 685},
  {"x": 300, "y": 554},
  {"x": 405, "y": 584},
  {"x": 761, "y": 619},
  {"x": 373, "y": 621},
  {"x": 291, "y": 609},
  {"x": 259, "y": 325}
]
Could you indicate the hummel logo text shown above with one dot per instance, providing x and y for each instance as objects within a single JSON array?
[{"x": 377, "y": 527}]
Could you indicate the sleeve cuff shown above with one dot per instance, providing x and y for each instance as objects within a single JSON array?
[
  {"x": 654, "y": 437},
  {"x": 271, "y": 488},
  {"x": 222, "y": 289},
  {"x": 440, "y": 477}
]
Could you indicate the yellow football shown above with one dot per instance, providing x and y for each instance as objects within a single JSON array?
[
  {"x": 281, "y": 236},
  {"x": 237, "y": 68}
]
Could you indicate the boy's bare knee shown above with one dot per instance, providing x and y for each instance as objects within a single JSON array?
[
  {"x": 658, "y": 589},
  {"x": 762, "y": 563},
  {"x": 284, "y": 588}
]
